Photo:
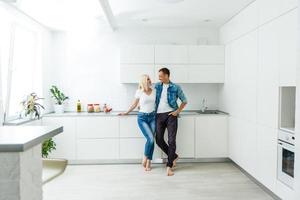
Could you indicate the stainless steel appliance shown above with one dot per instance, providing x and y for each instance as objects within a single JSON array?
[{"x": 286, "y": 158}]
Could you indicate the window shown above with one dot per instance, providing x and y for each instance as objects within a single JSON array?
[
  {"x": 25, "y": 76},
  {"x": 20, "y": 62}
]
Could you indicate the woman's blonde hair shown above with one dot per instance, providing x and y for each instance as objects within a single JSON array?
[{"x": 143, "y": 85}]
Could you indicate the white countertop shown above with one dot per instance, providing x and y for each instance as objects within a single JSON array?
[{"x": 21, "y": 138}]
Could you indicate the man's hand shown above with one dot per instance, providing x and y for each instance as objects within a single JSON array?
[{"x": 174, "y": 113}]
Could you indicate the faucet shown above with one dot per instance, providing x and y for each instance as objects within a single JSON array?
[{"x": 204, "y": 107}]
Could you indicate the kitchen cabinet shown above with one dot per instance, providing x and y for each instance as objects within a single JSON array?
[
  {"x": 288, "y": 44},
  {"x": 188, "y": 64},
  {"x": 97, "y": 127},
  {"x": 131, "y": 73},
  {"x": 268, "y": 75},
  {"x": 171, "y": 54},
  {"x": 66, "y": 141},
  {"x": 133, "y": 54},
  {"x": 206, "y": 74},
  {"x": 178, "y": 73},
  {"x": 185, "y": 138},
  {"x": 206, "y": 54},
  {"x": 211, "y": 136},
  {"x": 129, "y": 127},
  {"x": 133, "y": 148},
  {"x": 267, "y": 156},
  {"x": 98, "y": 149}
]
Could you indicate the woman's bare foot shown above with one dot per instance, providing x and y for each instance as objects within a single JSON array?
[
  {"x": 148, "y": 165},
  {"x": 175, "y": 162},
  {"x": 144, "y": 162},
  {"x": 169, "y": 171}
]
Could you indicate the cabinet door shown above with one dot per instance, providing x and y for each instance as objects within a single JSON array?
[
  {"x": 98, "y": 149},
  {"x": 288, "y": 48},
  {"x": 131, "y": 73},
  {"x": 206, "y": 54},
  {"x": 133, "y": 148},
  {"x": 185, "y": 139},
  {"x": 211, "y": 137},
  {"x": 171, "y": 54},
  {"x": 206, "y": 74},
  {"x": 97, "y": 127},
  {"x": 129, "y": 127},
  {"x": 137, "y": 54},
  {"x": 66, "y": 141},
  {"x": 178, "y": 73}
]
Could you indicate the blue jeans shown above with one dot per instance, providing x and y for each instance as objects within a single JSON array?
[{"x": 146, "y": 122}]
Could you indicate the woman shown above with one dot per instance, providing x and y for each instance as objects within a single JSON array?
[{"x": 145, "y": 98}]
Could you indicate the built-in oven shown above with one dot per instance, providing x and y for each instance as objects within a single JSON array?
[{"x": 286, "y": 158}]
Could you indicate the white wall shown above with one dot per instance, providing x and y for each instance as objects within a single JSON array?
[
  {"x": 86, "y": 63},
  {"x": 260, "y": 45}
]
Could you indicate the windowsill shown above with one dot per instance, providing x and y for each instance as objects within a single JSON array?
[{"x": 17, "y": 122}]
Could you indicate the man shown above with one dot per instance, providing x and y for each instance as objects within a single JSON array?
[{"x": 167, "y": 110}]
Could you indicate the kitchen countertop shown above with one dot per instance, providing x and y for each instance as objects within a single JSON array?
[
  {"x": 21, "y": 138},
  {"x": 134, "y": 113}
]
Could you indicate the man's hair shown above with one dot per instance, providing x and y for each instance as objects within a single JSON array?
[{"x": 165, "y": 71}]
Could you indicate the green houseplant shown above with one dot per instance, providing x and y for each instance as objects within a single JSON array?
[
  {"x": 47, "y": 147},
  {"x": 59, "y": 98},
  {"x": 31, "y": 107}
]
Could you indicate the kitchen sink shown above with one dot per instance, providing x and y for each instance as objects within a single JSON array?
[{"x": 209, "y": 112}]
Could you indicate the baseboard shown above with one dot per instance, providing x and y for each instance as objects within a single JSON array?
[{"x": 267, "y": 190}]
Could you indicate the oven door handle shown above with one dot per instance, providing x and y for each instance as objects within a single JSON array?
[{"x": 286, "y": 146}]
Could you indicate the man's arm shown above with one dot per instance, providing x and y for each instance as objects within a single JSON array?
[{"x": 183, "y": 100}]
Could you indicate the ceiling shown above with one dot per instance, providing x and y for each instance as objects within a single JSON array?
[{"x": 60, "y": 14}]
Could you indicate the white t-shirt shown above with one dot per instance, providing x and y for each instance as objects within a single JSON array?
[
  {"x": 147, "y": 102},
  {"x": 163, "y": 105}
]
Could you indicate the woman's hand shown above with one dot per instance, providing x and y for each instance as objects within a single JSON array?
[{"x": 123, "y": 113}]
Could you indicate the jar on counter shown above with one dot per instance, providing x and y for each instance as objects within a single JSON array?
[
  {"x": 90, "y": 108},
  {"x": 97, "y": 108}
]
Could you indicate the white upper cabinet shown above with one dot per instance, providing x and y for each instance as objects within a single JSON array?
[
  {"x": 179, "y": 73},
  {"x": 171, "y": 54},
  {"x": 137, "y": 54},
  {"x": 208, "y": 54},
  {"x": 188, "y": 64},
  {"x": 131, "y": 73},
  {"x": 288, "y": 43}
]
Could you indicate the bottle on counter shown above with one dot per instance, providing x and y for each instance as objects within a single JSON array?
[{"x": 78, "y": 106}]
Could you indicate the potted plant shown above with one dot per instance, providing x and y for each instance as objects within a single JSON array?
[
  {"x": 59, "y": 98},
  {"x": 47, "y": 147},
  {"x": 31, "y": 107}
]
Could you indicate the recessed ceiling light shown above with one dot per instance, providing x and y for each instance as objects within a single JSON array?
[
  {"x": 144, "y": 19},
  {"x": 170, "y": 1}
]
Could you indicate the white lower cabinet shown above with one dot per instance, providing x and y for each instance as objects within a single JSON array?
[
  {"x": 185, "y": 138},
  {"x": 97, "y": 149},
  {"x": 97, "y": 127},
  {"x": 129, "y": 127},
  {"x": 111, "y": 138},
  {"x": 66, "y": 141},
  {"x": 211, "y": 136}
]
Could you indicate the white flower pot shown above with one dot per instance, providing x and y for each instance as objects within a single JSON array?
[{"x": 59, "y": 109}]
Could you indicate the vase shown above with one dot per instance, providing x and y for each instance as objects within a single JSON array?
[{"x": 59, "y": 109}]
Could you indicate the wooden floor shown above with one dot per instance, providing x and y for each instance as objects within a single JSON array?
[{"x": 203, "y": 181}]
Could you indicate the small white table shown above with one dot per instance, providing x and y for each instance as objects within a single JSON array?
[{"x": 21, "y": 161}]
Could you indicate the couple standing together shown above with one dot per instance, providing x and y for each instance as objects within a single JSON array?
[{"x": 158, "y": 111}]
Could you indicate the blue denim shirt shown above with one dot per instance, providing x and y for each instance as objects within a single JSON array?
[{"x": 174, "y": 92}]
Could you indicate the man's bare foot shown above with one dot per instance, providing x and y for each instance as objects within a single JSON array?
[
  {"x": 175, "y": 162},
  {"x": 148, "y": 165},
  {"x": 169, "y": 171},
  {"x": 144, "y": 162}
]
